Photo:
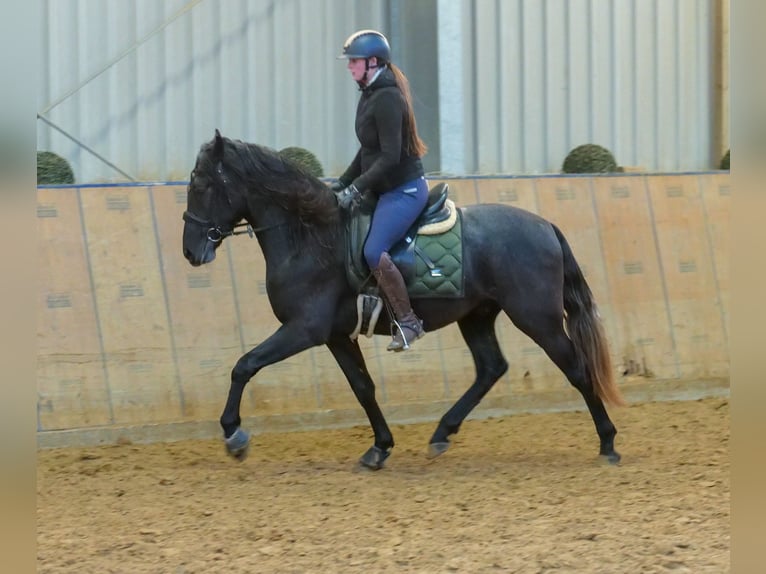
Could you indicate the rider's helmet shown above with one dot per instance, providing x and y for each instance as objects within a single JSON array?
[{"x": 366, "y": 44}]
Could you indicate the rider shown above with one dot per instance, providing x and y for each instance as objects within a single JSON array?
[{"x": 387, "y": 164}]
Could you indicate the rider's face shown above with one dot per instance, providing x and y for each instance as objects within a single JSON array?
[{"x": 357, "y": 68}]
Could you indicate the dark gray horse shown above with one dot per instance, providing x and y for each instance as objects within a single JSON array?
[{"x": 514, "y": 261}]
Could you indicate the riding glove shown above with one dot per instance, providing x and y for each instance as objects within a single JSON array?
[
  {"x": 348, "y": 197},
  {"x": 337, "y": 185}
]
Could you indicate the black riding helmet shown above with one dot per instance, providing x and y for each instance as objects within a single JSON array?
[{"x": 366, "y": 44}]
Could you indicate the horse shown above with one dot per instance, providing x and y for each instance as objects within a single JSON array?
[{"x": 514, "y": 261}]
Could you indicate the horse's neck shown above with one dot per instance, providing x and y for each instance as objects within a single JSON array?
[
  {"x": 274, "y": 238},
  {"x": 283, "y": 244}
]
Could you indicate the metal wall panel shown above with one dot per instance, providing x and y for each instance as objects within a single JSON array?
[
  {"x": 542, "y": 77},
  {"x": 536, "y": 78},
  {"x": 260, "y": 70}
]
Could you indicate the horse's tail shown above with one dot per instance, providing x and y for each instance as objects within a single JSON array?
[{"x": 585, "y": 328}]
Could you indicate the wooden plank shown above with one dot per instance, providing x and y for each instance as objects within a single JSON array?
[
  {"x": 71, "y": 392},
  {"x": 716, "y": 197},
  {"x": 71, "y": 383},
  {"x": 204, "y": 322},
  {"x": 687, "y": 268},
  {"x": 66, "y": 315},
  {"x": 132, "y": 309},
  {"x": 414, "y": 375},
  {"x": 519, "y": 192},
  {"x": 642, "y": 336},
  {"x": 461, "y": 191},
  {"x": 664, "y": 302}
]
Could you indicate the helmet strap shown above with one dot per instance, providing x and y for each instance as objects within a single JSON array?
[{"x": 365, "y": 81}]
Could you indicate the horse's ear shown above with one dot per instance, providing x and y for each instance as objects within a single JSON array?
[{"x": 218, "y": 145}]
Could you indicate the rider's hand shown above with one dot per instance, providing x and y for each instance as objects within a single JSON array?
[
  {"x": 337, "y": 185},
  {"x": 348, "y": 197}
]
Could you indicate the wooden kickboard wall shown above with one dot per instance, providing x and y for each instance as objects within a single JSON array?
[{"x": 129, "y": 333}]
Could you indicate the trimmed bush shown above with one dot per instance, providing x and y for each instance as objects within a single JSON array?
[
  {"x": 52, "y": 169},
  {"x": 304, "y": 159},
  {"x": 725, "y": 160},
  {"x": 590, "y": 158}
]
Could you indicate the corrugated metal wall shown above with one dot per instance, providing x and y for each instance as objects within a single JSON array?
[
  {"x": 536, "y": 78},
  {"x": 260, "y": 70},
  {"x": 545, "y": 76}
]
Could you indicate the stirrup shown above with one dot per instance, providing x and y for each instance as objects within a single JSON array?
[{"x": 400, "y": 342}]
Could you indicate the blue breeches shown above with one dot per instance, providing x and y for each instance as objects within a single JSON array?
[{"x": 395, "y": 212}]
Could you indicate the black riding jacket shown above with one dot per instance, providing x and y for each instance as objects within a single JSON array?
[{"x": 382, "y": 163}]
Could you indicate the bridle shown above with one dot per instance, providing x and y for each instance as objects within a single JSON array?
[{"x": 215, "y": 233}]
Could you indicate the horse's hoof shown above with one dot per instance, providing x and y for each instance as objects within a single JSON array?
[
  {"x": 238, "y": 444},
  {"x": 611, "y": 457},
  {"x": 374, "y": 458},
  {"x": 437, "y": 448}
]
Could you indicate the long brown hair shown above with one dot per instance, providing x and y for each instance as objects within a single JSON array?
[{"x": 414, "y": 145}]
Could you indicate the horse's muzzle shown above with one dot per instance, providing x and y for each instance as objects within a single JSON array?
[{"x": 200, "y": 256}]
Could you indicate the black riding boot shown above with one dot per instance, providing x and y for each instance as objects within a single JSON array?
[{"x": 409, "y": 327}]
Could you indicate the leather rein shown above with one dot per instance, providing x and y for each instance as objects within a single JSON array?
[{"x": 216, "y": 233}]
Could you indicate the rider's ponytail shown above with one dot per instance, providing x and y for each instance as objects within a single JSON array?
[{"x": 414, "y": 145}]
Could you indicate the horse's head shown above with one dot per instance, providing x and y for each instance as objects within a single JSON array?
[{"x": 213, "y": 207}]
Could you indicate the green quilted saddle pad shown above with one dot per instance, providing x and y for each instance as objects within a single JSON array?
[{"x": 439, "y": 264}]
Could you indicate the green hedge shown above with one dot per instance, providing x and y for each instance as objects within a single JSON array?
[
  {"x": 590, "y": 158},
  {"x": 304, "y": 159},
  {"x": 52, "y": 169},
  {"x": 725, "y": 160}
]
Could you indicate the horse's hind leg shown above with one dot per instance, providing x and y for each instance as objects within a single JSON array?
[
  {"x": 550, "y": 335},
  {"x": 478, "y": 330},
  {"x": 351, "y": 361}
]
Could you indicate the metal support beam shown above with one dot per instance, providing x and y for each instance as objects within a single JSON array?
[
  {"x": 720, "y": 139},
  {"x": 186, "y": 8},
  {"x": 83, "y": 146},
  {"x": 451, "y": 105}
]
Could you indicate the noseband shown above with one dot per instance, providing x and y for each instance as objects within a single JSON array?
[{"x": 215, "y": 233}]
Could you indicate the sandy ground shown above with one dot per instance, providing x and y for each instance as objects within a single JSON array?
[{"x": 523, "y": 494}]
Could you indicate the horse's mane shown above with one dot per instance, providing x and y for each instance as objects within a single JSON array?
[{"x": 262, "y": 171}]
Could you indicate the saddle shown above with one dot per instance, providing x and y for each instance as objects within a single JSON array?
[{"x": 438, "y": 216}]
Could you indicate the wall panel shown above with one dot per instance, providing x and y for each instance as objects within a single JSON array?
[
  {"x": 72, "y": 386},
  {"x": 716, "y": 197},
  {"x": 130, "y": 334},
  {"x": 201, "y": 309},
  {"x": 689, "y": 275},
  {"x": 631, "y": 259},
  {"x": 145, "y": 83},
  {"x": 131, "y": 302}
]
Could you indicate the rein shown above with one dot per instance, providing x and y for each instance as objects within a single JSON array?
[{"x": 216, "y": 234}]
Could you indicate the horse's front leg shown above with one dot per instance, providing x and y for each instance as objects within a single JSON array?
[
  {"x": 351, "y": 361},
  {"x": 288, "y": 340}
]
